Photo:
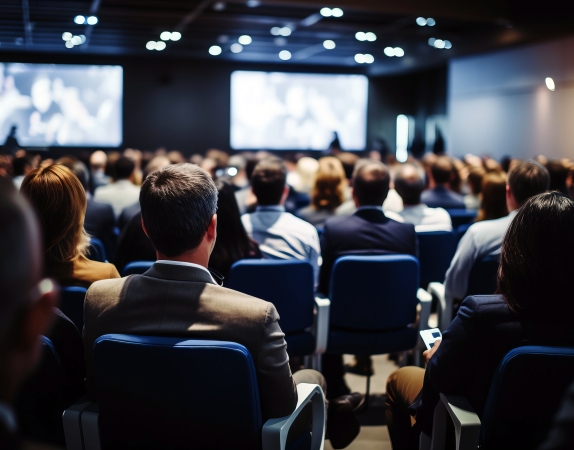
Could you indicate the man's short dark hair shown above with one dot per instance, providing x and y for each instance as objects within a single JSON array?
[
  {"x": 177, "y": 205},
  {"x": 410, "y": 183},
  {"x": 526, "y": 179},
  {"x": 268, "y": 181},
  {"x": 371, "y": 182},
  {"x": 19, "y": 165},
  {"x": 123, "y": 168},
  {"x": 441, "y": 170}
]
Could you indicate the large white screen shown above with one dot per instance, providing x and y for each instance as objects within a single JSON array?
[
  {"x": 297, "y": 111},
  {"x": 61, "y": 105}
]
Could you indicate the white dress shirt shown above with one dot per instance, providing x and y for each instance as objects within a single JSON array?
[
  {"x": 427, "y": 219},
  {"x": 482, "y": 239},
  {"x": 183, "y": 263},
  {"x": 281, "y": 235},
  {"x": 120, "y": 194}
]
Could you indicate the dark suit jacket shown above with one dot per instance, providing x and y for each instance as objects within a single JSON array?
[
  {"x": 133, "y": 244},
  {"x": 127, "y": 215},
  {"x": 180, "y": 301},
  {"x": 561, "y": 436},
  {"x": 366, "y": 232},
  {"x": 441, "y": 197},
  {"x": 100, "y": 222},
  {"x": 483, "y": 331}
]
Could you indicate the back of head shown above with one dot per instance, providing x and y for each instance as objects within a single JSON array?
[
  {"x": 330, "y": 182},
  {"x": 371, "y": 182},
  {"x": 536, "y": 263},
  {"x": 156, "y": 163},
  {"x": 307, "y": 169},
  {"x": 526, "y": 179},
  {"x": 177, "y": 205},
  {"x": 123, "y": 168},
  {"x": 474, "y": 180},
  {"x": 77, "y": 167},
  {"x": 442, "y": 170},
  {"x": 20, "y": 165},
  {"x": 268, "y": 181},
  {"x": 558, "y": 171},
  {"x": 349, "y": 160},
  {"x": 410, "y": 183},
  {"x": 98, "y": 160},
  {"x": 493, "y": 197},
  {"x": 60, "y": 201}
]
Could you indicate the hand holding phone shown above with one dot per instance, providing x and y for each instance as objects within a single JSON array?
[{"x": 429, "y": 337}]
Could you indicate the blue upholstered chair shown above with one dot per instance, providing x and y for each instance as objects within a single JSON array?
[
  {"x": 72, "y": 304},
  {"x": 157, "y": 392},
  {"x": 136, "y": 268},
  {"x": 96, "y": 250},
  {"x": 374, "y": 303},
  {"x": 289, "y": 285},
  {"x": 436, "y": 249},
  {"x": 524, "y": 396},
  {"x": 461, "y": 231},
  {"x": 481, "y": 281},
  {"x": 461, "y": 216}
]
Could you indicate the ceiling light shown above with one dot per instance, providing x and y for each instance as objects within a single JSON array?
[
  {"x": 421, "y": 21},
  {"x": 175, "y": 35},
  {"x": 360, "y": 36},
  {"x": 80, "y": 20},
  {"x": 447, "y": 44},
  {"x": 550, "y": 84},
  {"x": 369, "y": 59},
  {"x": 92, "y": 20},
  {"x": 371, "y": 37},
  {"x": 215, "y": 50},
  {"x": 275, "y": 31},
  {"x": 66, "y": 36},
  {"x": 360, "y": 58},
  {"x": 82, "y": 38},
  {"x": 245, "y": 40},
  {"x": 326, "y": 12},
  {"x": 253, "y": 3},
  {"x": 165, "y": 36},
  {"x": 432, "y": 41},
  {"x": 431, "y": 22},
  {"x": 69, "y": 44},
  {"x": 389, "y": 51},
  {"x": 76, "y": 40},
  {"x": 285, "y": 31},
  {"x": 285, "y": 55},
  {"x": 439, "y": 43},
  {"x": 399, "y": 52},
  {"x": 236, "y": 48},
  {"x": 150, "y": 45},
  {"x": 219, "y": 6},
  {"x": 329, "y": 44},
  {"x": 160, "y": 45},
  {"x": 337, "y": 12}
]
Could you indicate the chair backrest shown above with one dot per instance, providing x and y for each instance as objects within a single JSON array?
[
  {"x": 482, "y": 278},
  {"x": 72, "y": 304},
  {"x": 374, "y": 293},
  {"x": 289, "y": 285},
  {"x": 96, "y": 250},
  {"x": 436, "y": 249},
  {"x": 158, "y": 392},
  {"x": 525, "y": 394},
  {"x": 136, "y": 268},
  {"x": 461, "y": 231},
  {"x": 461, "y": 216}
]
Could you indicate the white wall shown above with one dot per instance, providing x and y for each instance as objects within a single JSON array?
[{"x": 498, "y": 103}]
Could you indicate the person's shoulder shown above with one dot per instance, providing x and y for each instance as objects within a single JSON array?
[
  {"x": 109, "y": 288},
  {"x": 95, "y": 270},
  {"x": 100, "y": 207},
  {"x": 237, "y": 305},
  {"x": 338, "y": 221},
  {"x": 485, "y": 227},
  {"x": 478, "y": 307}
]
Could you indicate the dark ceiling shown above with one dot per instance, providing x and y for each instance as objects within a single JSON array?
[{"x": 125, "y": 26}]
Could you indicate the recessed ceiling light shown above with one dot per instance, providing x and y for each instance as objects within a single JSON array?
[
  {"x": 369, "y": 59},
  {"x": 326, "y": 12},
  {"x": 329, "y": 44},
  {"x": 69, "y": 44},
  {"x": 550, "y": 83},
  {"x": 447, "y": 45},
  {"x": 236, "y": 48},
  {"x": 285, "y": 55},
  {"x": 439, "y": 43},
  {"x": 175, "y": 35},
  {"x": 337, "y": 12},
  {"x": 432, "y": 41},
  {"x": 285, "y": 31},
  {"x": 245, "y": 40},
  {"x": 80, "y": 20},
  {"x": 421, "y": 21},
  {"x": 150, "y": 45},
  {"x": 431, "y": 22},
  {"x": 165, "y": 36},
  {"x": 76, "y": 40},
  {"x": 371, "y": 37},
  {"x": 92, "y": 20},
  {"x": 215, "y": 50},
  {"x": 399, "y": 52},
  {"x": 66, "y": 36},
  {"x": 389, "y": 51},
  {"x": 360, "y": 58},
  {"x": 361, "y": 36},
  {"x": 160, "y": 45},
  {"x": 275, "y": 31}
]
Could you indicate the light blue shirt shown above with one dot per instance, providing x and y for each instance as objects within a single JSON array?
[{"x": 281, "y": 235}]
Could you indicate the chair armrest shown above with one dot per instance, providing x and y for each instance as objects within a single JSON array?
[
  {"x": 425, "y": 300},
  {"x": 466, "y": 423},
  {"x": 275, "y": 431},
  {"x": 323, "y": 305},
  {"x": 71, "y": 419},
  {"x": 445, "y": 305},
  {"x": 91, "y": 428}
]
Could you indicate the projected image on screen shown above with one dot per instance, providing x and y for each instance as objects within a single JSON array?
[
  {"x": 295, "y": 111},
  {"x": 61, "y": 105}
]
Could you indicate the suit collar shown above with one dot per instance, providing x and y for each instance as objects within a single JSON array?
[
  {"x": 179, "y": 273},
  {"x": 372, "y": 214}
]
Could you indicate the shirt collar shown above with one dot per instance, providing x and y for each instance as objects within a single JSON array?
[
  {"x": 277, "y": 208},
  {"x": 7, "y": 417},
  {"x": 187, "y": 264}
]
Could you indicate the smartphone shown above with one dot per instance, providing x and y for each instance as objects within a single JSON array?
[{"x": 430, "y": 336}]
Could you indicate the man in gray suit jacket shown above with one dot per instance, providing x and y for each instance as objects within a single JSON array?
[{"x": 179, "y": 297}]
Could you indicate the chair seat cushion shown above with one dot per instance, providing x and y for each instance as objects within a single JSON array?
[
  {"x": 300, "y": 344},
  {"x": 371, "y": 343}
]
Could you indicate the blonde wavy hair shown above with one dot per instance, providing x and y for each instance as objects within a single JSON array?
[
  {"x": 60, "y": 201},
  {"x": 330, "y": 183}
]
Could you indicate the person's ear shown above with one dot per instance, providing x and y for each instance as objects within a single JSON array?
[
  {"x": 143, "y": 228},
  {"x": 285, "y": 194},
  {"x": 212, "y": 228},
  {"x": 38, "y": 317},
  {"x": 354, "y": 197}
]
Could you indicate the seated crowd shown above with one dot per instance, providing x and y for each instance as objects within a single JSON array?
[{"x": 194, "y": 220}]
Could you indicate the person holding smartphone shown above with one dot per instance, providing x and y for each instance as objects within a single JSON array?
[{"x": 533, "y": 305}]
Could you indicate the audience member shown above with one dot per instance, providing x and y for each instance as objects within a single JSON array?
[
  {"x": 174, "y": 157},
  {"x": 98, "y": 161},
  {"x": 21, "y": 167},
  {"x": 526, "y": 178},
  {"x": 60, "y": 200},
  {"x": 122, "y": 192},
  {"x": 367, "y": 231},
  {"x": 280, "y": 234},
  {"x": 409, "y": 183},
  {"x": 533, "y": 307},
  {"x": 179, "y": 206},
  {"x": 442, "y": 174},
  {"x": 474, "y": 183},
  {"x": 328, "y": 192},
  {"x": 455, "y": 183},
  {"x": 349, "y": 160},
  {"x": 559, "y": 171},
  {"x": 239, "y": 180},
  {"x": 492, "y": 197},
  {"x": 232, "y": 242},
  {"x": 303, "y": 178},
  {"x": 26, "y": 306}
]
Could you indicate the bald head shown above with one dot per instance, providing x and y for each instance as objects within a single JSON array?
[
  {"x": 371, "y": 181},
  {"x": 409, "y": 183},
  {"x": 98, "y": 160}
]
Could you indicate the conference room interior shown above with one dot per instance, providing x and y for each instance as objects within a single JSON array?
[{"x": 354, "y": 174}]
